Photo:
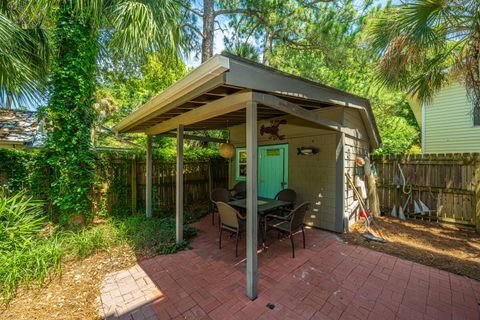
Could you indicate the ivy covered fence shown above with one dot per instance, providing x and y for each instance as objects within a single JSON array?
[{"x": 118, "y": 181}]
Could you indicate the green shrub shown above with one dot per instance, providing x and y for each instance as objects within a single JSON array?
[
  {"x": 15, "y": 168},
  {"x": 29, "y": 266},
  {"x": 33, "y": 264},
  {"x": 21, "y": 219}
]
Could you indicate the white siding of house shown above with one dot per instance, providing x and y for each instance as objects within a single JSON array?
[{"x": 448, "y": 123}]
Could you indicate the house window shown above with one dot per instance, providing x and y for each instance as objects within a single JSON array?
[
  {"x": 241, "y": 164},
  {"x": 476, "y": 111}
]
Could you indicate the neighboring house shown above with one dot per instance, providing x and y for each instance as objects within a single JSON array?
[
  {"x": 449, "y": 122},
  {"x": 20, "y": 129}
]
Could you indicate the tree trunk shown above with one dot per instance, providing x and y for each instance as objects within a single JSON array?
[
  {"x": 71, "y": 114},
  {"x": 208, "y": 29},
  {"x": 8, "y": 103},
  {"x": 267, "y": 48}
]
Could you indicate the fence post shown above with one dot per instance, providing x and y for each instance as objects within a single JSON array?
[
  {"x": 210, "y": 179},
  {"x": 134, "y": 185},
  {"x": 477, "y": 192}
]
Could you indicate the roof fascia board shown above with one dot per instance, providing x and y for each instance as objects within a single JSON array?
[{"x": 209, "y": 70}]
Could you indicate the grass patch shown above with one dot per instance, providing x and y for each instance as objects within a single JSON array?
[{"x": 147, "y": 234}]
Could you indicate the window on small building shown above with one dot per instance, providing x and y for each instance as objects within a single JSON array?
[
  {"x": 241, "y": 164},
  {"x": 476, "y": 110}
]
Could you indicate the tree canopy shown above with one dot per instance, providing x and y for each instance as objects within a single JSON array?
[{"x": 345, "y": 44}]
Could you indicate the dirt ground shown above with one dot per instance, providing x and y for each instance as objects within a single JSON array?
[
  {"x": 72, "y": 295},
  {"x": 445, "y": 247}
]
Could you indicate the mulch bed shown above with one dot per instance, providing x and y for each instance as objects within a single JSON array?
[
  {"x": 446, "y": 247},
  {"x": 73, "y": 295}
]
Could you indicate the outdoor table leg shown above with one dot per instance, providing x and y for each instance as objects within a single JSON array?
[{"x": 264, "y": 232}]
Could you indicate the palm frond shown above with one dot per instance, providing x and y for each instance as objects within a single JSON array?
[
  {"x": 24, "y": 58},
  {"x": 422, "y": 43},
  {"x": 145, "y": 26}
]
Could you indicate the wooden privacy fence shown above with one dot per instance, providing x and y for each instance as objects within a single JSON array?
[
  {"x": 449, "y": 184},
  {"x": 124, "y": 183}
]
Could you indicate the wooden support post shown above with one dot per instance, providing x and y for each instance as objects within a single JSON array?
[
  {"x": 134, "y": 185},
  {"x": 341, "y": 222},
  {"x": 477, "y": 193},
  {"x": 179, "y": 185},
  {"x": 210, "y": 181},
  {"x": 148, "y": 189},
  {"x": 252, "y": 221}
]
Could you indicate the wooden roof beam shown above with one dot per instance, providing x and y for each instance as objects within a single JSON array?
[
  {"x": 192, "y": 137},
  {"x": 295, "y": 110},
  {"x": 210, "y": 110}
]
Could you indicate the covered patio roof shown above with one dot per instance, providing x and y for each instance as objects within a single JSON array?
[{"x": 213, "y": 96}]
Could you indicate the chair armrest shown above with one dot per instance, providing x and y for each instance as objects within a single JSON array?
[
  {"x": 277, "y": 217},
  {"x": 241, "y": 217}
]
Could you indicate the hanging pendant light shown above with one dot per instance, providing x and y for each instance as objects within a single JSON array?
[{"x": 227, "y": 150}]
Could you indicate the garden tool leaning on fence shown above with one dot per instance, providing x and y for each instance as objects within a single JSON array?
[
  {"x": 371, "y": 225},
  {"x": 419, "y": 206},
  {"x": 400, "y": 181}
]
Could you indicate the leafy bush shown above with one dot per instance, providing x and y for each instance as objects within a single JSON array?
[
  {"x": 15, "y": 168},
  {"x": 21, "y": 219},
  {"x": 29, "y": 266},
  {"x": 33, "y": 264}
]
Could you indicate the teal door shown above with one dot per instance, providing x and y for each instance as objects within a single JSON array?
[{"x": 272, "y": 170}]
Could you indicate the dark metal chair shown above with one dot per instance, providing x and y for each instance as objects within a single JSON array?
[
  {"x": 230, "y": 220},
  {"x": 289, "y": 224},
  {"x": 218, "y": 195},
  {"x": 287, "y": 195},
  {"x": 239, "y": 191}
]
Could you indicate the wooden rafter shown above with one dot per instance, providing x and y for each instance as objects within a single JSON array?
[{"x": 213, "y": 109}]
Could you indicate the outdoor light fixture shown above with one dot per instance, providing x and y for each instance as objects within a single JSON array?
[
  {"x": 307, "y": 151},
  {"x": 227, "y": 150}
]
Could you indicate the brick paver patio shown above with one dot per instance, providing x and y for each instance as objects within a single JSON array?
[{"x": 327, "y": 280}]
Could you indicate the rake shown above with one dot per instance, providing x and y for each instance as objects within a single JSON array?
[{"x": 365, "y": 215}]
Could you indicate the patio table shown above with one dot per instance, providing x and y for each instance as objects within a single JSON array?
[{"x": 264, "y": 205}]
